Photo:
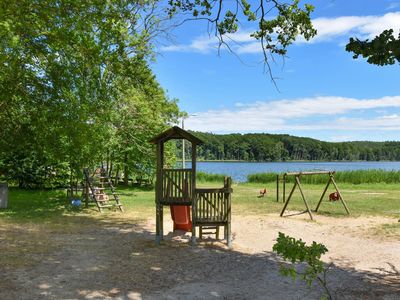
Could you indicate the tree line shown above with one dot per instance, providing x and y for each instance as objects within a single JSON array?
[{"x": 282, "y": 147}]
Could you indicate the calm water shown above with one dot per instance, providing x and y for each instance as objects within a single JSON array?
[{"x": 239, "y": 170}]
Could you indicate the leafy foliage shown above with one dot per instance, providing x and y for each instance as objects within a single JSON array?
[
  {"x": 295, "y": 252},
  {"x": 75, "y": 84},
  {"x": 383, "y": 50},
  {"x": 278, "y": 23}
]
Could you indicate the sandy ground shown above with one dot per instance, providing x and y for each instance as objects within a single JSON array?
[{"x": 115, "y": 259}]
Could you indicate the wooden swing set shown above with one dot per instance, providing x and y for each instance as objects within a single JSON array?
[{"x": 297, "y": 183}]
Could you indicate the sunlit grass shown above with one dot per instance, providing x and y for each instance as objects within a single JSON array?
[
  {"x": 51, "y": 206},
  {"x": 354, "y": 177},
  {"x": 366, "y": 199}
]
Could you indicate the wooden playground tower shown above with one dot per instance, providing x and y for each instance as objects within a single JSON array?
[
  {"x": 297, "y": 183},
  {"x": 210, "y": 208}
]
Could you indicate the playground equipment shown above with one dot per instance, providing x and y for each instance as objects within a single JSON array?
[
  {"x": 210, "y": 208},
  {"x": 98, "y": 188},
  {"x": 297, "y": 183}
]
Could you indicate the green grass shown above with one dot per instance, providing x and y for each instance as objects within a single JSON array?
[
  {"x": 51, "y": 206},
  {"x": 355, "y": 177},
  {"x": 206, "y": 177},
  {"x": 361, "y": 199}
]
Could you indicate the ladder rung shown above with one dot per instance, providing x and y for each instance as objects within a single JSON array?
[{"x": 106, "y": 205}]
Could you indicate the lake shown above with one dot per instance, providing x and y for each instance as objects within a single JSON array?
[{"x": 239, "y": 170}]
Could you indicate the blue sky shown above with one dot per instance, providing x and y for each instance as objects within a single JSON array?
[{"x": 323, "y": 93}]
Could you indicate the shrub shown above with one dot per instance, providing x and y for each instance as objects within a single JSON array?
[{"x": 297, "y": 252}]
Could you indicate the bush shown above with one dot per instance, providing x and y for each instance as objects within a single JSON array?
[{"x": 296, "y": 252}]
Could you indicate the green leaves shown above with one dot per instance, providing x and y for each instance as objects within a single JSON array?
[
  {"x": 383, "y": 50},
  {"x": 278, "y": 22},
  {"x": 297, "y": 252},
  {"x": 68, "y": 70}
]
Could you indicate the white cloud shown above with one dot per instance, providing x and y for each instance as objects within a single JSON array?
[
  {"x": 318, "y": 113},
  {"x": 329, "y": 29},
  {"x": 363, "y": 26},
  {"x": 202, "y": 44}
]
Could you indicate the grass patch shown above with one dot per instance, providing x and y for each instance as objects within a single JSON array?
[
  {"x": 388, "y": 230},
  {"x": 354, "y": 177},
  {"x": 206, "y": 177},
  {"x": 366, "y": 199},
  {"x": 53, "y": 207}
]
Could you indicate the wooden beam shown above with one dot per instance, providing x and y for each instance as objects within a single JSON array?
[
  {"x": 290, "y": 196},
  {"x": 309, "y": 173},
  {"x": 304, "y": 198},
  {"x": 193, "y": 193},
  {"x": 324, "y": 192},
  {"x": 277, "y": 188},
  {"x": 340, "y": 196},
  {"x": 284, "y": 188}
]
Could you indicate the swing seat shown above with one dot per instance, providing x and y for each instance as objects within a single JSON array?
[{"x": 334, "y": 196}]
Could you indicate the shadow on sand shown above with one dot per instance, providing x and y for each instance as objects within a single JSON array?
[{"x": 109, "y": 258}]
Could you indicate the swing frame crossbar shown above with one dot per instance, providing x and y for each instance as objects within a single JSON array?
[{"x": 297, "y": 183}]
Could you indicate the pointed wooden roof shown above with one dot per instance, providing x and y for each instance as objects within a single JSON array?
[{"x": 175, "y": 133}]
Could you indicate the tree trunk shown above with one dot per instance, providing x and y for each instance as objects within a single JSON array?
[
  {"x": 116, "y": 177},
  {"x": 126, "y": 170}
]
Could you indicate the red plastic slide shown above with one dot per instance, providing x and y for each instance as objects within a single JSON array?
[{"x": 181, "y": 216}]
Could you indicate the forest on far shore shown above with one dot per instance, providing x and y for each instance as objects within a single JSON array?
[{"x": 283, "y": 147}]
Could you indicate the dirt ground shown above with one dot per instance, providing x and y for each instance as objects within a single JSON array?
[{"x": 118, "y": 259}]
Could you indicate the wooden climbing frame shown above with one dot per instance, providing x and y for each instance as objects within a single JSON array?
[
  {"x": 297, "y": 183},
  {"x": 210, "y": 208}
]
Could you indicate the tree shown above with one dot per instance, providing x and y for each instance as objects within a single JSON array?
[{"x": 68, "y": 70}]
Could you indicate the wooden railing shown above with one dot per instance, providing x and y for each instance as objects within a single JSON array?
[
  {"x": 212, "y": 206},
  {"x": 177, "y": 186}
]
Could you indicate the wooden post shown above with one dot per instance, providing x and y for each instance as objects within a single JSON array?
[
  {"x": 228, "y": 185},
  {"x": 192, "y": 192},
  {"x": 284, "y": 188},
  {"x": 277, "y": 188},
  {"x": 288, "y": 199},
  {"x": 126, "y": 170},
  {"x": 323, "y": 193},
  {"x": 159, "y": 220},
  {"x": 304, "y": 198},
  {"x": 340, "y": 196}
]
